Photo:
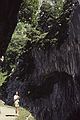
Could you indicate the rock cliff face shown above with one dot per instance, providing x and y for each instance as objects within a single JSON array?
[
  {"x": 8, "y": 20},
  {"x": 48, "y": 79}
]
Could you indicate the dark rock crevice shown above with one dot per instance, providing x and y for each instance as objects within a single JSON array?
[{"x": 8, "y": 21}]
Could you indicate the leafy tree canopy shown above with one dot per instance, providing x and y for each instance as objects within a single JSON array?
[
  {"x": 30, "y": 28},
  {"x": 28, "y": 10}
]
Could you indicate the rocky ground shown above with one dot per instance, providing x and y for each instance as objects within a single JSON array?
[{"x": 7, "y": 113}]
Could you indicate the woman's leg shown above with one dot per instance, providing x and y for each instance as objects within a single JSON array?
[{"x": 17, "y": 110}]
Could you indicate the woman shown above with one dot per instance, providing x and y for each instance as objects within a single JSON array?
[{"x": 16, "y": 102}]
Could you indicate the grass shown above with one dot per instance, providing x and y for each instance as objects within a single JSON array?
[{"x": 23, "y": 114}]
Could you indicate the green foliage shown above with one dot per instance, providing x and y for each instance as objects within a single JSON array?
[
  {"x": 2, "y": 77},
  {"x": 48, "y": 15},
  {"x": 24, "y": 32},
  {"x": 26, "y": 28},
  {"x": 28, "y": 11},
  {"x": 58, "y": 8},
  {"x": 18, "y": 39},
  {"x": 15, "y": 46}
]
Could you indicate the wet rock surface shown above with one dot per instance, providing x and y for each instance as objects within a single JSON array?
[{"x": 48, "y": 79}]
